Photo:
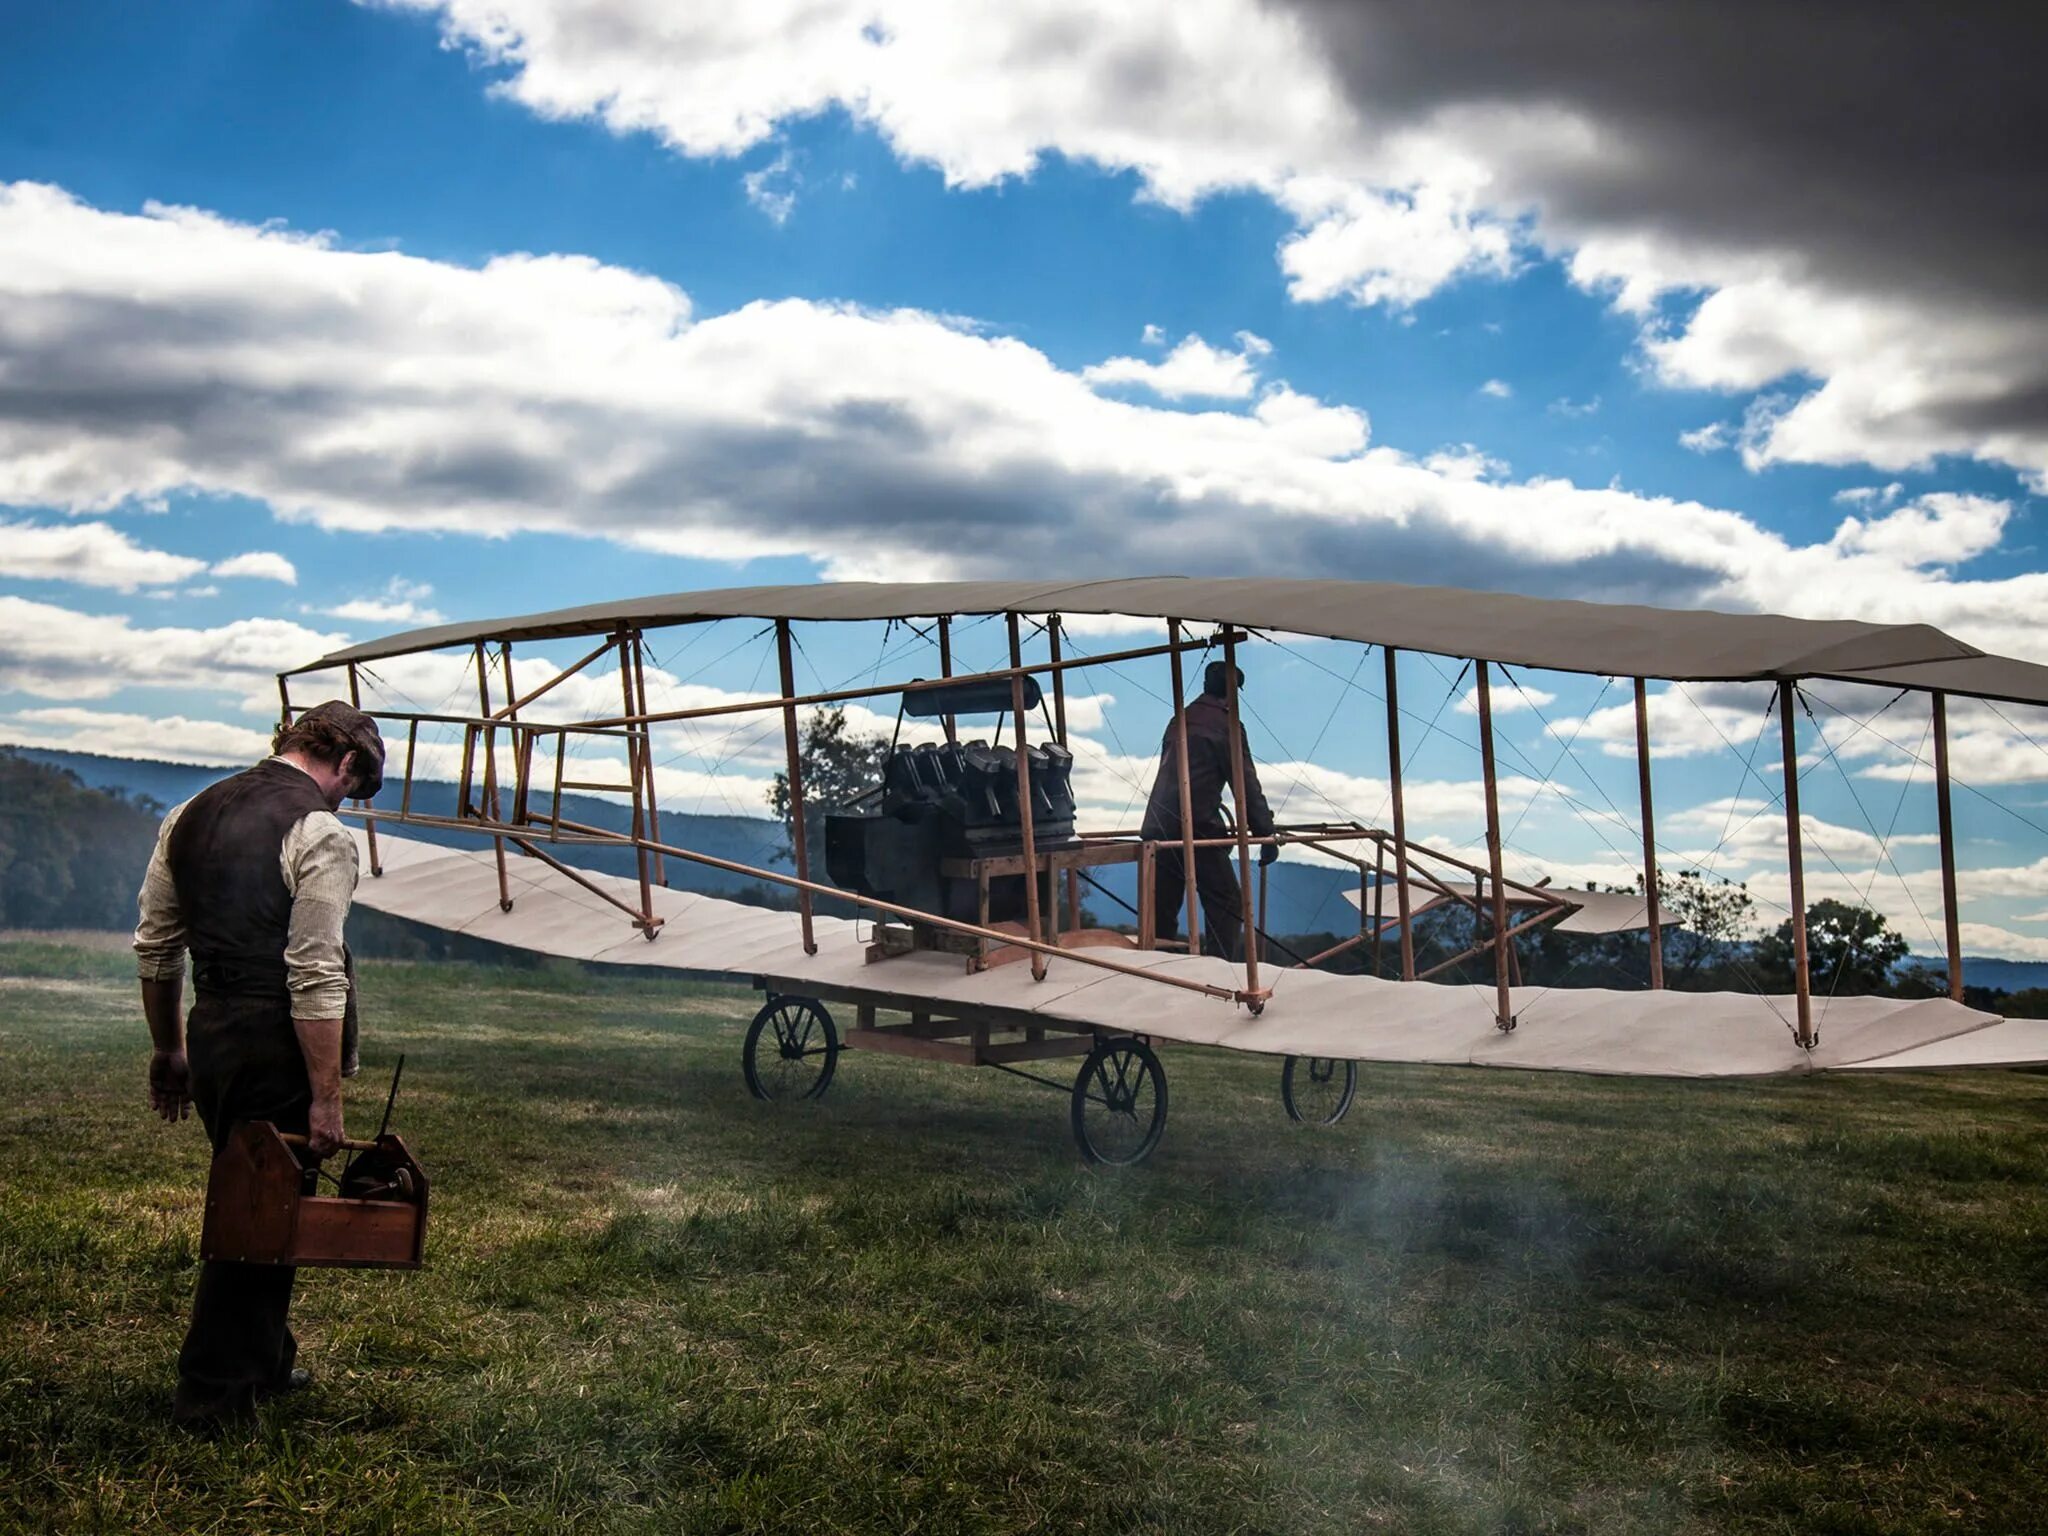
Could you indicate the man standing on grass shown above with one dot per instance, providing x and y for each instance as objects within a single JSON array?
[
  {"x": 254, "y": 876},
  {"x": 1209, "y": 733}
]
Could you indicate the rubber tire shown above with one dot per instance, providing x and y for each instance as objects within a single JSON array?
[
  {"x": 1343, "y": 1104},
  {"x": 1149, "y": 1063},
  {"x": 762, "y": 1019}
]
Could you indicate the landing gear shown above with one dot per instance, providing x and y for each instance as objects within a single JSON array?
[
  {"x": 1318, "y": 1090},
  {"x": 791, "y": 1050},
  {"x": 1119, "y": 1106}
]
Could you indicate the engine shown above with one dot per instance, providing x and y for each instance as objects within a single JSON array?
[{"x": 942, "y": 802}]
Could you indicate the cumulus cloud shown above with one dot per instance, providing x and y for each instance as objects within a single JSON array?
[
  {"x": 1870, "y": 495},
  {"x": 554, "y": 393},
  {"x": 89, "y": 554},
  {"x": 1938, "y": 529},
  {"x": 1711, "y": 438},
  {"x": 1194, "y": 368},
  {"x": 401, "y": 602},
  {"x": 1417, "y": 144},
  {"x": 60, "y": 653},
  {"x": 1498, "y": 389},
  {"x": 772, "y": 188},
  {"x": 113, "y": 733},
  {"x": 1508, "y": 698},
  {"x": 260, "y": 565}
]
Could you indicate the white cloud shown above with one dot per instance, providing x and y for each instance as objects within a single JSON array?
[
  {"x": 772, "y": 188},
  {"x": 1939, "y": 529},
  {"x": 401, "y": 602},
  {"x": 1394, "y": 248},
  {"x": 1508, "y": 699},
  {"x": 1715, "y": 435},
  {"x": 554, "y": 393},
  {"x": 1465, "y": 461},
  {"x": 1498, "y": 389},
  {"x": 1870, "y": 495},
  {"x": 1408, "y": 162},
  {"x": 89, "y": 554},
  {"x": 1194, "y": 368},
  {"x": 109, "y": 733},
  {"x": 58, "y": 653},
  {"x": 1574, "y": 409},
  {"x": 261, "y": 565}
]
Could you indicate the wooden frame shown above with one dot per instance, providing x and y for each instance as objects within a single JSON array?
[{"x": 1052, "y": 925}]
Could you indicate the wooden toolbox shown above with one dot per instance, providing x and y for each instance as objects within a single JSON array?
[{"x": 262, "y": 1204}]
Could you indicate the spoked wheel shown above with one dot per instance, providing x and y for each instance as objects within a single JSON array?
[
  {"x": 1119, "y": 1102},
  {"x": 791, "y": 1050},
  {"x": 1317, "y": 1089}
]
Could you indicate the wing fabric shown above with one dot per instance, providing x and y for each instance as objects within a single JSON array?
[{"x": 1312, "y": 1013}]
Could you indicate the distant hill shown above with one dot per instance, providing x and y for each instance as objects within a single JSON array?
[
  {"x": 1305, "y": 898},
  {"x": 742, "y": 839}
]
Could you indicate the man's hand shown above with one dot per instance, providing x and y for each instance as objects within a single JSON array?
[
  {"x": 170, "y": 1085},
  {"x": 320, "y": 1044},
  {"x": 1268, "y": 852},
  {"x": 323, "y": 1127}
]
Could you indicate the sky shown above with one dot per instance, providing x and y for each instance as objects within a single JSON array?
[{"x": 320, "y": 321}]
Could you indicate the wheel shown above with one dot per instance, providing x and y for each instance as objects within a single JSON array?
[
  {"x": 1318, "y": 1090},
  {"x": 791, "y": 1050},
  {"x": 1119, "y": 1102}
]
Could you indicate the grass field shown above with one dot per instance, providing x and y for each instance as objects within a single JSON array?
[{"x": 1487, "y": 1302}]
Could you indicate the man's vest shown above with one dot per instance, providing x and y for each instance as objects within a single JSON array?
[{"x": 224, "y": 857}]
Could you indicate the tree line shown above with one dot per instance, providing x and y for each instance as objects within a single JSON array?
[{"x": 71, "y": 856}]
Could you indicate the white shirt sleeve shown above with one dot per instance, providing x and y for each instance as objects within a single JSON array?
[
  {"x": 319, "y": 864},
  {"x": 160, "y": 926}
]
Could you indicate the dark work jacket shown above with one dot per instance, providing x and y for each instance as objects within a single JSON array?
[
  {"x": 1208, "y": 778},
  {"x": 223, "y": 855}
]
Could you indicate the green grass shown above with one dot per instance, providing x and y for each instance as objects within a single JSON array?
[{"x": 1487, "y": 1302}]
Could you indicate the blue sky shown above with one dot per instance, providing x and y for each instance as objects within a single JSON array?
[{"x": 820, "y": 297}]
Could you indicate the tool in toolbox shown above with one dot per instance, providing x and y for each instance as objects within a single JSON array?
[{"x": 264, "y": 1206}]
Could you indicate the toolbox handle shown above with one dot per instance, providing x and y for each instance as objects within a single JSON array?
[{"x": 294, "y": 1139}]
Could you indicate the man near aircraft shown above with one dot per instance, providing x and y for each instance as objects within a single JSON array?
[
  {"x": 1209, "y": 732},
  {"x": 254, "y": 876}
]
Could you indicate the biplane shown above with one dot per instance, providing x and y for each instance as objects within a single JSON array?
[{"x": 962, "y": 868}]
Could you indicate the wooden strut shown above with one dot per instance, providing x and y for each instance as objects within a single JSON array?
[
  {"x": 1951, "y": 915},
  {"x": 1379, "y": 902},
  {"x": 512, "y": 709},
  {"x": 636, "y": 755},
  {"x": 1651, "y": 894},
  {"x": 1802, "y": 980},
  {"x": 948, "y": 723},
  {"x": 1059, "y": 734},
  {"x": 799, "y": 844},
  {"x": 646, "y": 752},
  {"x": 1400, "y": 816},
  {"x": 1244, "y": 826},
  {"x": 489, "y": 798},
  {"x": 355, "y": 697},
  {"x": 1033, "y": 921},
  {"x": 1187, "y": 803},
  {"x": 1504, "y": 1015}
]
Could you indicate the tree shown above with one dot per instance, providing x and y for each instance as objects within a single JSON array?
[
  {"x": 1704, "y": 917},
  {"x": 839, "y": 765},
  {"x": 70, "y": 856},
  {"x": 1850, "y": 951}
]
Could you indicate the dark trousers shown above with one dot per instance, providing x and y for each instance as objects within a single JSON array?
[
  {"x": 245, "y": 1065},
  {"x": 1216, "y": 885}
]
